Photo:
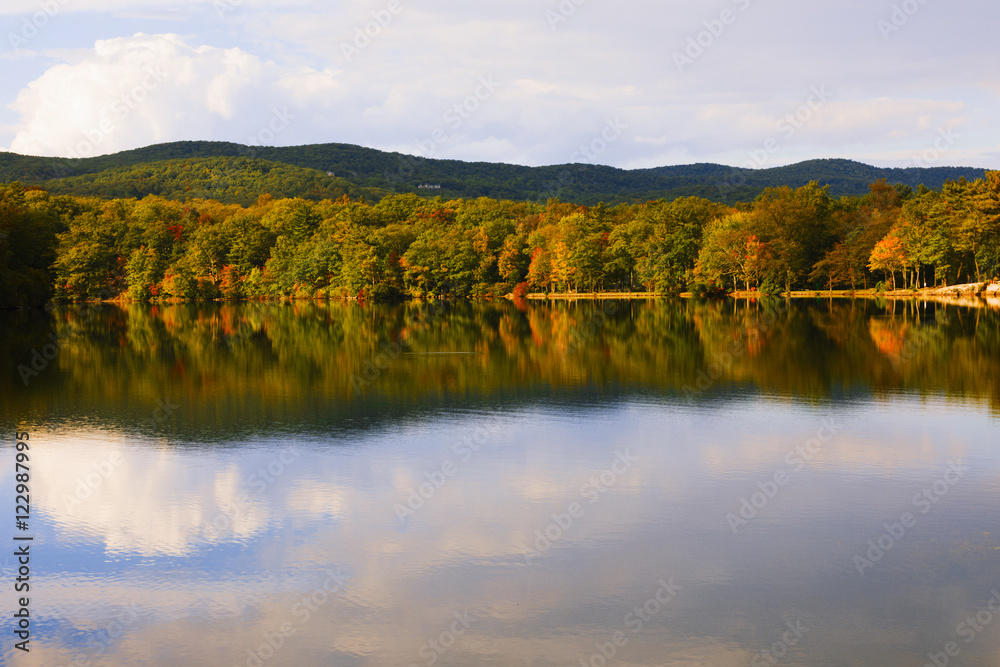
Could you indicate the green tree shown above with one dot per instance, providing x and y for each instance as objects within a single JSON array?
[{"x": 28, "y": 225}]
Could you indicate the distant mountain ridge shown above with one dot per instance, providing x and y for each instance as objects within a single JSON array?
[
  {"x": 230, "y": 180},
  {"x": 354, "y": 170}
]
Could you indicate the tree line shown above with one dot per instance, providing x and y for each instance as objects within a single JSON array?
[{"x": 75, "y": 248}]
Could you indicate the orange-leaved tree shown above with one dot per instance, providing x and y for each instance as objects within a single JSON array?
[{"x": 888, "y": 256}]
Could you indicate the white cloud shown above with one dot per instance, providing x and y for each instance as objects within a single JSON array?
[
  {"x": 228, "y": 74},
  {"x": 145, "y": 89}
]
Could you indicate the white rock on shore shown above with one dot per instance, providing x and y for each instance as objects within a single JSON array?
[{"x": 968, "y": 289}]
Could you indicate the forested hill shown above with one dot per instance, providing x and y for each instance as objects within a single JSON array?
[
  {"x": 377, "y": 172},
  {"x": 224, "y": 179}
]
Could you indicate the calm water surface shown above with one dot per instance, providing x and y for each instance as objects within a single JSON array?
[{"x": 662, "y": 483}]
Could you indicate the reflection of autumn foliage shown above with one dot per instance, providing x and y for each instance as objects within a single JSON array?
[
  {"x": 754, "y": 343},
  {"x": 228, "y": 321},
  {"x": 296, "y": 360},
  {"x": 889, "y": 337}
]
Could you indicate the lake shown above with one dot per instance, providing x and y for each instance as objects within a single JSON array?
[{"x": 808, "y": 482}]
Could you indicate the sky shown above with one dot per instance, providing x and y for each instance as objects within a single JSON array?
[{"x": 630, "y": 84}]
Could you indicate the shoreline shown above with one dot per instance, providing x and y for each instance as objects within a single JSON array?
[{"x": 973, "y": 293}]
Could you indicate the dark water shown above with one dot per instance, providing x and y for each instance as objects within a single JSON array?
[{"x": 662, "y": 483}]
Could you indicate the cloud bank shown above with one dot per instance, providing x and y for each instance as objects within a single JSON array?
[{"x": 691, "y": 83}]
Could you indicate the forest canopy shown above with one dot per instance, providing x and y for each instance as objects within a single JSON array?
[
  {"x": 77, "y": 248},
  {"x": 230, "y": 180}
]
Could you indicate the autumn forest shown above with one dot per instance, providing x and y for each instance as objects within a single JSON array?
[{"x": 76, "y": 248}]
